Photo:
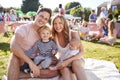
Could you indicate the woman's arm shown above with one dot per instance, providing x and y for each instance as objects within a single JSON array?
[
  {"x": 17, "y": 51},
  {"x": 77, "y": 56},
  {"x": 80, "y": 54}
]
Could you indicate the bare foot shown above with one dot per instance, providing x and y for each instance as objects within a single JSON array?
[{"x": 53, "y": 68}]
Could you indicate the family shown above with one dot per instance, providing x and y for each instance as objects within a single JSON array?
[{"x": 37, "y": 45}]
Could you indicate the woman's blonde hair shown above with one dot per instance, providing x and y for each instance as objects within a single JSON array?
[{"x": 65, "y": 28}]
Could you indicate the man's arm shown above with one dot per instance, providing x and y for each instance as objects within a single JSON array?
[{"x": 17, "y": 51}]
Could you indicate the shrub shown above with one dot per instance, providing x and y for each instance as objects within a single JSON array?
[{"x": 110, "y": 16}]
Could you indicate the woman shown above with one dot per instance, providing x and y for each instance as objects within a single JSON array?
[{"x": 62, "y": 36}]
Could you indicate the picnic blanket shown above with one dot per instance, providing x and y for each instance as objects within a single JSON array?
[
  {"x": 96, "y": 70},
  {"x": 101, "y": 70}
]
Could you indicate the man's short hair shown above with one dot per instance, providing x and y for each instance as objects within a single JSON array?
[{"x": 41, "y": 9}]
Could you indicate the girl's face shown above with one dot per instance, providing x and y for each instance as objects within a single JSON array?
[
  {"x": 58, "y": 25},
  {"x": 45, "y": 35}
]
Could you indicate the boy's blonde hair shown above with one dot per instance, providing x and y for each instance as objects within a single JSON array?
[{"x": 45, "y": 27}]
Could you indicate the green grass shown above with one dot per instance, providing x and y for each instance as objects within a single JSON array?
[
  {"x": 92, "y": 50},
  {"x": 103, "y": 52},
  {"x": 4, "y": 54}
]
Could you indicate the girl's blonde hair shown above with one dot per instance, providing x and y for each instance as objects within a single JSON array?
[
  {"x": 100, "y": 22},
  {"x": 65, "y": 30},
  {"x": 111, "y": 26}
]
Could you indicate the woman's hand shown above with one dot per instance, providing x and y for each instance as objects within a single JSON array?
[{"x": 62, "y": 64}]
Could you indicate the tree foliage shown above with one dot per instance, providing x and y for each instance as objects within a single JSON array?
[
  {"x": 56, "y": 10},
  {"x": 70, "y": 5},
  {"x": 30, "y": 5},
  {"x": 76, "y": 12},
  {"x": 75, "y": 9},
  {"x": 1, "y": 9}
]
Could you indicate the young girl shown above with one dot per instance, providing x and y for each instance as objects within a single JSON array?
[
  {"x": 111, "y": 38},
  {"x": 45, "y": 49},
  {"x": 96, "y": 36},
  {"x": 84, "y": 30}
]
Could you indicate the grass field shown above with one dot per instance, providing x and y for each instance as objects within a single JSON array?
[{"x": 92, "y": 50}]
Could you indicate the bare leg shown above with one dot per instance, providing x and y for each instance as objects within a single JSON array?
[
  {"x": 78, "y": 69},
  {"x": 13, "y": 68},
  {"x": 14, "y": 71},
  {"x": 66, "y": 74}
]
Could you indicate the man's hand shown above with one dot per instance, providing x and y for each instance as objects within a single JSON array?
[
  {"x": 62, "y": 64},
  {"x": 35, "y": 69}
]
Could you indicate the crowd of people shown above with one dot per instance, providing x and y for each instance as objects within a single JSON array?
[
  {"x": 12, "y": 16},
  {"x": 105, "y": 33},
  {"x": 9, "y": 16}
]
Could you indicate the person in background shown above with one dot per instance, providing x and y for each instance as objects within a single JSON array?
[
  {"x": 92, "y": 16},
  {"x": 24, "y": 38},
  {"x": 111, "y": 38},
  {"x": 84, "y": 30},
  {"x": 96, "y": 36},
  {"x": 105, "y": 27},
  {"x": 1, "y": 16},
  {"x": 13, "y": 16},
  {"x": 62, "y": 36},
  {"x": 103, "y": 13},
  {"x": 6, "y": 16}
]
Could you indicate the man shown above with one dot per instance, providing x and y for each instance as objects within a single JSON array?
[
  {"x": 24, "y": 38},
  {"x": 92, "y": 16}
]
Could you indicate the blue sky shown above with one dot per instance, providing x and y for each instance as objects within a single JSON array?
[{"x": 54, "y": 3}]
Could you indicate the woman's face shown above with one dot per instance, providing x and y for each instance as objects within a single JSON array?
[{"x": 58, "y": 25}]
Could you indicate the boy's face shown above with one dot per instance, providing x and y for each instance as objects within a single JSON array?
[{"x": 45, "y": 35}]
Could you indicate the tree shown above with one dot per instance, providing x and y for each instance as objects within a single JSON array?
[
  {"x": 56, "y": 10},
  {"x": 70, "y": 5},
  {"x": 87, "y": 12},
  {"x": 29, "y": 5},
  {"x": 76, "y": 12},
  {"x": 1, "y": 9}
]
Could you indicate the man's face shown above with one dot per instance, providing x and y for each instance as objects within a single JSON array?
[{"x": 42, "y": 18}]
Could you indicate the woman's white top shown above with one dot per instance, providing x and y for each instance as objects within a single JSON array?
[{"x": 62, "y": 50}]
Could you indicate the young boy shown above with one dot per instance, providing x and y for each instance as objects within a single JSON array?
[{"x": 43, "y": 50}]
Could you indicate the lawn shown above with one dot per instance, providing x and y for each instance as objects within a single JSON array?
[{"x": 92, "y": 50}]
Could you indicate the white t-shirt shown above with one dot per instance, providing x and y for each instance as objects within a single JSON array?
[
  {"x": 29, "y": 35},
  {"x": 83, "y": 29}
]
